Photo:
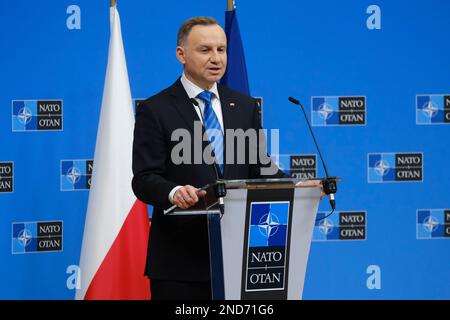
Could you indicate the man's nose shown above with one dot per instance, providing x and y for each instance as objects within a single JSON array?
[{"x": 215, "y": 57}]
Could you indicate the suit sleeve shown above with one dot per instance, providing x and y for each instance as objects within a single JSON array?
[
  {"x": 259, "y": 170},
  {"x": 150, "y": 155}
]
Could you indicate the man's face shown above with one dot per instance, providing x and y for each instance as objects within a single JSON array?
[{"x": 204, "y": 55}]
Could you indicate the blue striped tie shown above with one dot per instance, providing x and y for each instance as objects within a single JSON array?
[{"x": 212, "y": 128}]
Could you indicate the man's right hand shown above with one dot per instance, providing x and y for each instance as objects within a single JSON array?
[{"x": 187, "y": 196}]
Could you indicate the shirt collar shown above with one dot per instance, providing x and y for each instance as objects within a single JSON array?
[{"x": 193, "y": 90}]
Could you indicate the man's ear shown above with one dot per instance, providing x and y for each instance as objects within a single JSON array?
[{"x": 181, "y": 55}]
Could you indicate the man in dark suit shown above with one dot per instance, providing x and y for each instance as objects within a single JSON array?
[{"x": 178, "y": 252}]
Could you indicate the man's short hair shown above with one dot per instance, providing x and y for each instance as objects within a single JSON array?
[{"x": 187, "y": 26}]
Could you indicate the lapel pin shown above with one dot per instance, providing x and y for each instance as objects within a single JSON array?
[{"x": 232, "y": 104}]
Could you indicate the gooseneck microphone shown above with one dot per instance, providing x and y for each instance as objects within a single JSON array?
[
  {"x": 219, "y": 188},
  {"x": 329, "y": 183}
]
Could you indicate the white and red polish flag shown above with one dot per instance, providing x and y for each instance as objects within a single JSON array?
[{"x": 117, "y": 225}]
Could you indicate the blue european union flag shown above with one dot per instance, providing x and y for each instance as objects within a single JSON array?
[{"x": 235, "y": 76}]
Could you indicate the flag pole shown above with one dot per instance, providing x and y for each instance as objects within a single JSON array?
[
  {"x": 231, "y": 5},
  {"x": 112, "y": 3}
]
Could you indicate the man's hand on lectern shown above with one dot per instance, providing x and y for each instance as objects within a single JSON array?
[{"x": 187, "y": 196}]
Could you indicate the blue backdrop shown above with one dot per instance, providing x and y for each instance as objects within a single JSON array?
[{"x": 373, "y": 77}]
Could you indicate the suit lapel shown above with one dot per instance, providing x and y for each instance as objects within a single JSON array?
[
  {"x": 228, "y": 121},
  {"x": 183, "y": 105},
  {"x": 227, "y": 110}
]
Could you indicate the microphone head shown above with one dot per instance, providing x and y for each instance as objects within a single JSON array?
[
  {"x": 293, "y": 100},
  {"x": 194, "y": 102}
]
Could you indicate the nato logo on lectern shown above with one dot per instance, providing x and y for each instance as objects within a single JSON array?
[
  {"x": 432, "y": 109},
  {"x": 6, "y": 177},
  {"x": 267, "y": 246},
  {"x": 76, "y": 174},
  {"x": 338, "y": 111},
  {"x": 343, "y": 225},
  {"x": 433, "y": 224},
  {"x": 395, "y": 167},
  {"x": 32, "y": 237},
  {"x": 37, "y": 115}
]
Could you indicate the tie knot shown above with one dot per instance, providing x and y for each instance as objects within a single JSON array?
[{"x": 205, "y": 96}]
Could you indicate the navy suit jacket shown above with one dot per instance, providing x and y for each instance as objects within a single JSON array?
[{"x": 178, "y": 246}]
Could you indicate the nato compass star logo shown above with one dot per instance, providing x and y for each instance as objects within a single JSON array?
[
  {"x": 325, "y": 111},
  {"x": 25, "y": 237},
  {"x": 433, "y": 224},
  {"x": 24, "y": 115},
  {"x": 430, "y": 109},
  {"x": 76, "y": 174},
  {"x": 326, "y": 226},
  {"x": 430, "y": 224},
  {"x": 382, "y": 168},
  {"x": 73, "y": 175},
  {"x": 268, "y": 225}
]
